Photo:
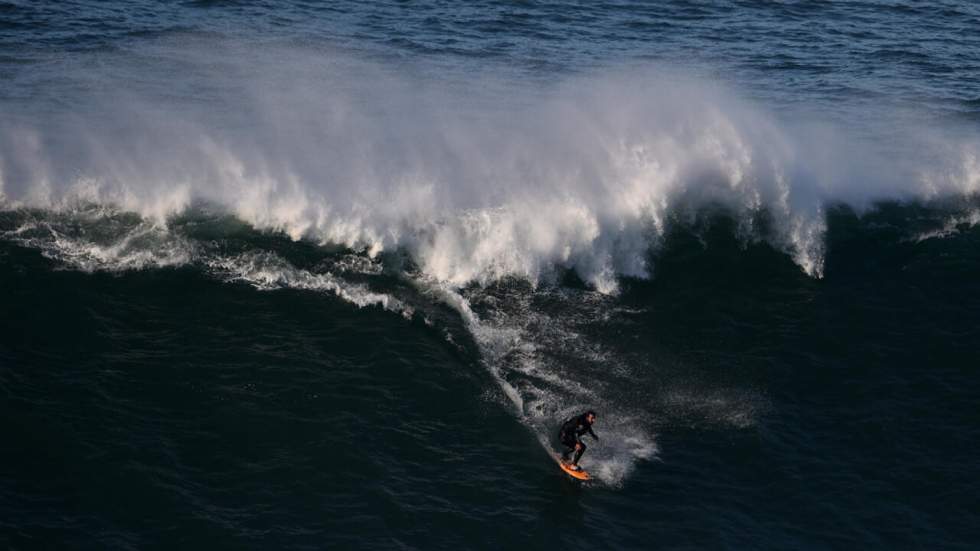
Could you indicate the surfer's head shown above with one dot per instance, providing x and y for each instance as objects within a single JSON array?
[{"x": 590, "y": 416}]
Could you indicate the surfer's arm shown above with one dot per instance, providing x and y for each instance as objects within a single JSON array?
[{"x": 592, "y": 434}]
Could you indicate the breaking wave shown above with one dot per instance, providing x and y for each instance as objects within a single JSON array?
[
  {"x": 477, "y": 179},
  {"x": 480, "y": 192}
]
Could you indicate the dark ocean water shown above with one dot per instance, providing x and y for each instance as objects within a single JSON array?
[{"x": 330, "y": 275}]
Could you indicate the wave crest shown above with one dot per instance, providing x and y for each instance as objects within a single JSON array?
[{"x": 477, "y": 180}]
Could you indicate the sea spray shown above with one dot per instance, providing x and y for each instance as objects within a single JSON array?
[{"x": 475, "y": 185}]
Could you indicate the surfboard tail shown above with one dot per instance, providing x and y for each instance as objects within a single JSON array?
[{"x": 579, "y": 474}]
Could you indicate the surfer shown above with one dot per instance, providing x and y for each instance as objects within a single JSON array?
[{"x": 570, "y": 436}]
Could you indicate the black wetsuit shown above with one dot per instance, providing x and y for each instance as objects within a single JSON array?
[{"x": 570, "y": 434}]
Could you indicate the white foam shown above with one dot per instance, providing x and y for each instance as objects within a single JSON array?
[
  {"x": 475, "y": 185},
  {"x": 147, "y": 245},
  {"x": 267, "y": 271},
  {"x": 951, "y": 226},
  {"x": 695, "y": 405}
]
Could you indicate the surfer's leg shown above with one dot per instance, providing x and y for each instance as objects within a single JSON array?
[
  {"x": 579, "y": 450},
  {"x": 569, "y": 444}
]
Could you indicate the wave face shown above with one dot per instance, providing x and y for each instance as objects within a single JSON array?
[
  {"x": 311, "y": 372},
  {"x": 266, "y": 263}
]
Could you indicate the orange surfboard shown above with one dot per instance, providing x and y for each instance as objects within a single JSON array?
[{"x": 580, "y": 474}]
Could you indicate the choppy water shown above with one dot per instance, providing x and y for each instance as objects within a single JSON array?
[{"x": 329, "y": 275}]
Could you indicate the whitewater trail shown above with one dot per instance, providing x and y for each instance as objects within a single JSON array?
[{"x": 522, "y": 346}]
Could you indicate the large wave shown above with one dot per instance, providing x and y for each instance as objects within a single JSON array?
[{"x": 468, "y": 180}]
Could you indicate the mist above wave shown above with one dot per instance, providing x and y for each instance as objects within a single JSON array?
[{"x": 476, "y": 179}]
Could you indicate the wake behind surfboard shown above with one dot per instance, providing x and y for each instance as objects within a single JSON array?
[{"x": 579, "y": 474}]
